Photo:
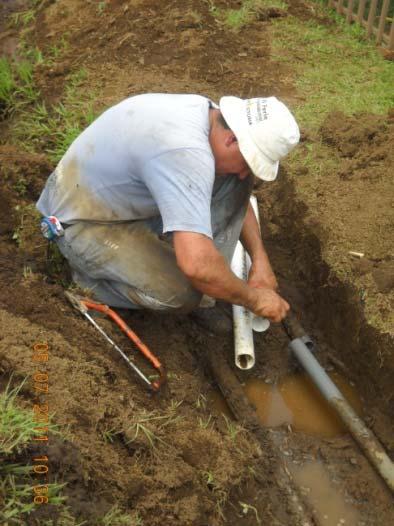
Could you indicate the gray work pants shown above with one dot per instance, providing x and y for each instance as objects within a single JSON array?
[{"x": 132, "y": 265}]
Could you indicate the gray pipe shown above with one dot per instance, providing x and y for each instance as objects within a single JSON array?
[{"x": 363, "y": 436}]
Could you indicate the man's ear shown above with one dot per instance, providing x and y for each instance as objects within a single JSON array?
[{"x": 230, "y": 138}]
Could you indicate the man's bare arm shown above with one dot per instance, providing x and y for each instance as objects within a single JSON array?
[
  {"x": 261, "y": 273},
  {"x": 208, "y": 271}
]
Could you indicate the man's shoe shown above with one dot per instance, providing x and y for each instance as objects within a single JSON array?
[{"x": 215, "y": 320}]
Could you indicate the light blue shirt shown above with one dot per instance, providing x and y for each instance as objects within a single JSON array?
[{"x": 147, "y": 156}]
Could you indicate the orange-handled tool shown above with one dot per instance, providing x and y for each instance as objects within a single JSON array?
[{"x": 83, "y": 305}]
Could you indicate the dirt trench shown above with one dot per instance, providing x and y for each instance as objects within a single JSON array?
[
  {"x": 197, "y": 472},
  {"x": 348, "y": 298}
]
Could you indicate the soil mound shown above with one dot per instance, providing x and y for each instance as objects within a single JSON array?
[
  {"x": 364, "y": 142},
  {"x": 132, "y": 46},
  {"x": 22, "y": 172}
]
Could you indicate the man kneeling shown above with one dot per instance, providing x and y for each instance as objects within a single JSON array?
[{"x": 154, "y": 195}]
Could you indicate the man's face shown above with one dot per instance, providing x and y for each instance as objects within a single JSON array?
[
  {"x": 232, "y": 162},
  {"x": 228, "y": 158}
]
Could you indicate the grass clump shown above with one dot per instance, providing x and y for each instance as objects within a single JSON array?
[
  {"x": 149, "y": 426},
  {"x": 250, "y": 10},
  {"x": 220, "y": 494},
  {"x": 246, "y": 508},
  {"x": 101, "y": 6},
  {"x": 115, "y": 517},
  {"x": 23, "y": 18},
  {"x": 7, "y": 85},
  {"x": 17, "y": 88},
  {"x": 18, "y": 427},
  {"x": 26, "y": 228},
  {"x": 64, "y": 518},
  {"x": 52, "y": 130},
  {"x": 233, "y": 428},
  {"x": 34, "y": 125}
]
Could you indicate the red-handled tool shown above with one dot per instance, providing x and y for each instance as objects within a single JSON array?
[{"x": 83, "y": 305}]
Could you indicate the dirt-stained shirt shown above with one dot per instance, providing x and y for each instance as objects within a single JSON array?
[{"x": 147, "y": 156}]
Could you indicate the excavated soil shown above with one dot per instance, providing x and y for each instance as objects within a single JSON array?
[
  {"x": 184, "y": 466},
  {"x": 347, "y": 209}
]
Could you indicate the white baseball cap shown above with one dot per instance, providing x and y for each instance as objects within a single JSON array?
[{"x": 265, "y": 130}]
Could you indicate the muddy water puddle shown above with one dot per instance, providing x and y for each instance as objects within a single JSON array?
[
  {"x": 327, "y": 503},
  {"x": 295, "y": 401}
]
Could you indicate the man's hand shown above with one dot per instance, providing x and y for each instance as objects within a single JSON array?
[
  {"x": 208, "y": 271},
  {"x": 268, "y": 304}
]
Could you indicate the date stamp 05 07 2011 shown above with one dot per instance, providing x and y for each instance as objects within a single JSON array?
[{"x": 40, "y": 379}]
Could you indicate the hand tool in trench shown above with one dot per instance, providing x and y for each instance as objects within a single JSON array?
[
  {"x": 301, "y": 346},
  {"x": 83, "y": 305}
]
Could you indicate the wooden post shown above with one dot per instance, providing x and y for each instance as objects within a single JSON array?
[
  {"x": 371, "y": 17},
  {"x": 360, "y": 12},
  {"x": 349, "y": 17},
  {"x": 391, "y": 40},
  {"x": 330, "y": 3},
  {"x": 340, "y": 6},
  {"x": 382, "y": 21}
]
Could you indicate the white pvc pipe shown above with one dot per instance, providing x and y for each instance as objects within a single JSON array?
[
  {"x": 244, "y": 320},
  {"x": 242, "y": 317},
  {"x": 259, "y": 324}
]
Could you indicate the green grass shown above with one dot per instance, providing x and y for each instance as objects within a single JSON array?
[
  {"x": 34, "y": 125},
  {"x": 17, "y": 88},
  {"x": 64, "y": 518},
  {"x": 246, "y": 508},
  {"x": 15, "y": 500},
  {"x": 52, "y": 130},
  {"x": 150, "y": 425},
  {"x": 335, "y": 68},
  {"x": 236, "y": 19},
  {"x": 233, "y": 428},
  {"x": 7, "y": 85},
  {"x": 56, "y": 50},
  {"x": 18, "y": 427},
  {"x": 115, "y": 517},
  {"x": 22, "y": 18},
  {"x": 205, "y": 423},
  {"x": 101, "y": 7},
  {"x": 220, "y": 494},
  {"x": 109, "y": 435}
]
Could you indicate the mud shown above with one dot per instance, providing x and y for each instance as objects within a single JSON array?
[
  {"x": 331, "y": 508},
  {"x": 191, "y": 468},
  {"x": 297, "y": 401}
]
